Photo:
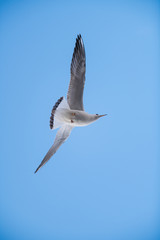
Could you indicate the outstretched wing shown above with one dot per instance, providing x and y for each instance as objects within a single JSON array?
[
  {"x": 62, "y": 134},
  {"x": 78, "y": 69}
]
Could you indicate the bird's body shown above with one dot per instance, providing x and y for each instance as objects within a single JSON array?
[
  {"x": 75, "y": 118},
  {"x": 69, "y": 114}
]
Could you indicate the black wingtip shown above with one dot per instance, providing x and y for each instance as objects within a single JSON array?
[
  {"x": 79, "y": 38},
  {"x": 37, "y": 169},
  {"x": 79, "y": 44},
  {"x": 53, "y": 112}
]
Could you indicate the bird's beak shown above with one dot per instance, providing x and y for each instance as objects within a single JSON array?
[{"x": 102, "y": 115}]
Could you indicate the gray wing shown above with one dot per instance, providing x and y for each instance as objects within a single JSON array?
[
  {"x": 62, "y": 134},
  {"x": 78, "y": 69}
]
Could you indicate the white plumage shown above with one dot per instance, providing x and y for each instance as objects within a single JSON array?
[{"x": 69, "y": 114}]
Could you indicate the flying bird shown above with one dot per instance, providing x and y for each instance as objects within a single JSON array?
[{"x": 67, "y": 114}]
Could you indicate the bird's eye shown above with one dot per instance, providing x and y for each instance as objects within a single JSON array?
[{"x": 97, "y": 114}]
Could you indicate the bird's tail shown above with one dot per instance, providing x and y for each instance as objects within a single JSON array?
[{"x": 54, "y": 121}]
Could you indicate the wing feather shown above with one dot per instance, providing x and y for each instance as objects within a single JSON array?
[
  {"x": 61, "y": 136},
  {"x": 78, "y": 69}
]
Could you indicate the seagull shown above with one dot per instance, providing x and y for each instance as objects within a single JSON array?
[{"x": 67, "y": 114}]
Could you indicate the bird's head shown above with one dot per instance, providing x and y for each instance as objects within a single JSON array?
[{"x": 97, "y": 116}]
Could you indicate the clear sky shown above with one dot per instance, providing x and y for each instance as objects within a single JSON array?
[{"x": 103, "y": 181}]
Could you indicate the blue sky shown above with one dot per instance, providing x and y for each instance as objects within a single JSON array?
[{"x": 103, "y": 182}]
